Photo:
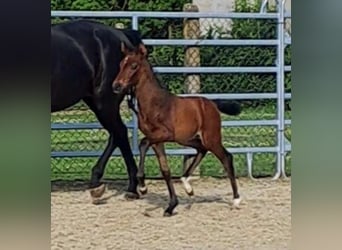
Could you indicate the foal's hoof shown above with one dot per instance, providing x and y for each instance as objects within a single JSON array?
[
  {"x": 190, "y": 193},
  {"x": 98, "y": 191},
  {"x": 188, "y": 188},
  {"x": 131, "y": 196},
  {"x": 142, "y": 190},
  {"x": 169, "y": 212},
  {"x": 236, "y": 203}
]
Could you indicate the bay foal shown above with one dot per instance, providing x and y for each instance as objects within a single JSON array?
[{"x": 163, "y": 117}]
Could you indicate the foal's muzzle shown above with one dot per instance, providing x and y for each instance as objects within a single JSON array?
[{"x": 117, "y": 88}]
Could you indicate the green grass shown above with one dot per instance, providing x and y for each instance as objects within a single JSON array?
[{"x": 79, "y": 168}]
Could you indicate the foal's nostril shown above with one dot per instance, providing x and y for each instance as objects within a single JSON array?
[{"x": 116, "y": 88}]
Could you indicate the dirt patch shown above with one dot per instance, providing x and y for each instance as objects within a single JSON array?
[{"x": 263, "y": 222}]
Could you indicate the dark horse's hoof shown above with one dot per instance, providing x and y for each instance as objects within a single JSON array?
[
  {"x": 131, "y": 196},
  {"x": 167, "y": 214},
  {"x": 97, "y": 192}
]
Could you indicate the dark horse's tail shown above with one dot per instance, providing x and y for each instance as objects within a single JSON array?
[{"x": 228, "y": 107}]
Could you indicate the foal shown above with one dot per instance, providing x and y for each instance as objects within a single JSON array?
[{"x": 163, "y": 117}]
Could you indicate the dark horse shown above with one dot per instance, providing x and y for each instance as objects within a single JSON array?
[
  {"x": 85, "y": 59},
  {"x": 164, "y": 117}
]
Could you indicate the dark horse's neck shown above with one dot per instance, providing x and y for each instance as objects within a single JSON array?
[{"x": 148, "y": 92}]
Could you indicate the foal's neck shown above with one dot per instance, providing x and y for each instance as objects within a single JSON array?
[{"x": 148, "y": 91}]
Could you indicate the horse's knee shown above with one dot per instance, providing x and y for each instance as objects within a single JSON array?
[
  {"x": 166, "y": 172},
  {"x": 144, "y": 145},
  {"x": 140, "y": 174},
  {"x": 229, "y": 154},
  {"x": 144, "y": 142}
]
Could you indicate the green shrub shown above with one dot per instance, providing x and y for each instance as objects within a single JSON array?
[{"x": 228, "y": 56}]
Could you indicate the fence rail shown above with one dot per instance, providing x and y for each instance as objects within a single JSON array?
[
  {"x": 163, "y": 14},
  {"x": 282, "y": 145},
  {"x": 215, "y": 70}
]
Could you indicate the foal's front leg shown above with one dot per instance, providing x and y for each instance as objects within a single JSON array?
[
  {"x": 160, "y": 153},
  {"x": 143, "y": 147}
]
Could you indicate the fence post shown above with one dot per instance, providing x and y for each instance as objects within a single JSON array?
[
  {"x": 280, "y": 168},
  {"x": 191, "y": 30}
]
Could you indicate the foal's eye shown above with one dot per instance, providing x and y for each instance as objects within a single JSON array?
[{"x": 134, "y": 66}]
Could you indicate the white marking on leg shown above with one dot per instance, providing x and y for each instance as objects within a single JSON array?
[
  {"x": 186, "y": 185},
  {"x": 236, "y": 202},
  {"x": 143, "y": 189}
]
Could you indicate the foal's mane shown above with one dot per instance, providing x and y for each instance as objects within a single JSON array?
[{"x": 160, "y": 83}]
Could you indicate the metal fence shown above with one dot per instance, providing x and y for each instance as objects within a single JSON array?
[{"x": 78, "y": 139}]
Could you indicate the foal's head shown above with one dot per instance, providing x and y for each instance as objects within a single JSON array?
[{"x": 129, "y": 68}]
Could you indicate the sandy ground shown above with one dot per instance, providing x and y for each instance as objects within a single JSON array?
[{"x": 263, "y": 222}]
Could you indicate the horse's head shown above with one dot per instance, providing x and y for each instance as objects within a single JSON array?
[{"x": 130, "y": 65}]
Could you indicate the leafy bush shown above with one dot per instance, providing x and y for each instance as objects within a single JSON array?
[{"x": 229, "y": 56}]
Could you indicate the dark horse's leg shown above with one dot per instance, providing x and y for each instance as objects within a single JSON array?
[
  {"x": 201, "y": 152},
  {"x": 160, "y": 153},
  {"x": 143, "y": 147},
  {"x": 110, "y": 119}
]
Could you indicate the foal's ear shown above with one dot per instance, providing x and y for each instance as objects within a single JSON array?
[
  {"x": 142, "y": 50},
  {"x": 123, "y": 48}
]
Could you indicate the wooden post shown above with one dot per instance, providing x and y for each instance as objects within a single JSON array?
[{"x": 191, "y": 30}]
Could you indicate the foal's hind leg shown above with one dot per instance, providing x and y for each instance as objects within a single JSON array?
[
  {"x": 201, "y": 152},
  {"x": 143, "y": 147},
  {"x": 186, "y": 175},
  {"x": 160, "y": 153},
  {"x": 226, "y": 159}
]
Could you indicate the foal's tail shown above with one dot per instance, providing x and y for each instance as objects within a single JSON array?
[{"x": 228, "y": 107}]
